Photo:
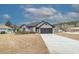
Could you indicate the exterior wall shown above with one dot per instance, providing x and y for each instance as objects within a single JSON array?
[
  {"x": 10, "y": 31},
  {"x": 26, "y": 29},
  {"x": 31, "y": 29},
  {"x": 6, "y": 30},
  {"x": 39, "y": 30},
  {"x": 2, "y": 29},
  {"x": 34, "y": 29}
]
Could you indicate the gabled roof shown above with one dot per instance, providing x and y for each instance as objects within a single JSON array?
[
  {"x": 22, "y": 25},
  {"x": 46, "y": 23},
  {"x": 34, "y": 24}
]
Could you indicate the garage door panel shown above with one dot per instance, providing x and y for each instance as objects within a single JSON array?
[{"x": 46, "y": 30}]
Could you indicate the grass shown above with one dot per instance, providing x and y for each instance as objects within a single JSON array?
[
  {"x": 73, "y": 36},
  {"x": 27, "y": 43}
]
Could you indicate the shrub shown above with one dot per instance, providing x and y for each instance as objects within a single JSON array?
[{"x": 3, "y": 32}]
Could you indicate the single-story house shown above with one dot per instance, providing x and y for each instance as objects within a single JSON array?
[
  {"x": 5, "y": 29},
  {"x": 73, "y": 29},
  {"x": 39, "y": 27}
]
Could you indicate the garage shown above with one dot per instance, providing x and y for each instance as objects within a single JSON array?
[{"x": 46, "y": 30}]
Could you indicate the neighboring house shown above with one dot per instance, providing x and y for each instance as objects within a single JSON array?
[
  {"x": 57, "y": 29},
  {"x": 39, "y": 27},
  {"x": 5, "y": 29},
  {"x": 73, "y": 29},
  {"x": 24, "y": 28}
]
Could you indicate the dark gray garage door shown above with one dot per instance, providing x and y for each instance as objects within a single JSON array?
[{"x": 46, "y": 30}]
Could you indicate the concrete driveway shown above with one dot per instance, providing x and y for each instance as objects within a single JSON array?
[{"x": 60, "y": 45}]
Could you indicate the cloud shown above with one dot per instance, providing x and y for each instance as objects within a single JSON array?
[
  {"x": 41, "y": 11},
  {"x": 6, "y": 16},
  {"x": 49, "y": 14},
  {"x": 73, "y": 14},
  {"x": 76, "y": 7}
]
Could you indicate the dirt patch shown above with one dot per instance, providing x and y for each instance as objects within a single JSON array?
[
  {"x": 27, "y": 43},
  {"x": 73, "y": 36}
]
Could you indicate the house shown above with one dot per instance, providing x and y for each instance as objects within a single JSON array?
[
  {"x": 5, "y": 29},
  {"x": 24, "y": 28},
  {"x": 39, "y": 27},
  {"x": 73, "y": 29}
]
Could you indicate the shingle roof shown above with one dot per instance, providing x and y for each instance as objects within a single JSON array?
[
  {"x": 36, "y": 23},
  {"x": 33, "y": 24},
  {"x": 22, "y": 25}
]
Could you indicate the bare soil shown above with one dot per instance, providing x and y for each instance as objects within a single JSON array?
[
  {"x": 73, "y": 36},
  {"x": 25, "y": 43}
]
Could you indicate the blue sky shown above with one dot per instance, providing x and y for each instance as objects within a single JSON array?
[{"x": 54, "y": 13}]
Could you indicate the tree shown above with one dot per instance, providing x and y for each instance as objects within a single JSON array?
[{"x": 8, "y": 23}]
